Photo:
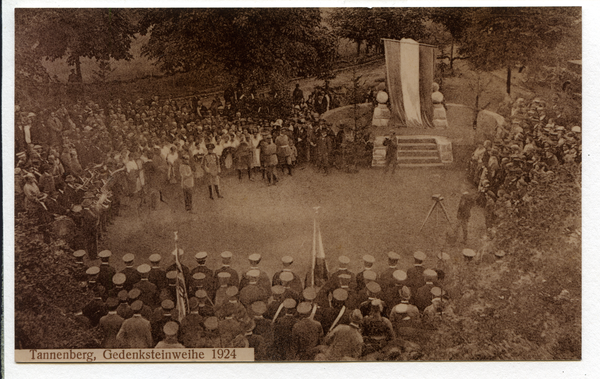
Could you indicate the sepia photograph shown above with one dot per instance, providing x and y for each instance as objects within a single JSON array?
[{"x": 386, "y": 184}]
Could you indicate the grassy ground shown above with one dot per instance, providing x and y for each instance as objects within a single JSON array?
[{"x": 364, "y": 213}]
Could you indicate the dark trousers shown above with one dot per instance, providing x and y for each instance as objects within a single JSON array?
[{"x": 187, "y": 197}]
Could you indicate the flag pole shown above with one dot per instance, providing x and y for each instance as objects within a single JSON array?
[{"x": 314, "y": 249}]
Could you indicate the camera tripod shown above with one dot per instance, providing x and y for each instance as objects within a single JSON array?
[{"x": 437, "y": 201}]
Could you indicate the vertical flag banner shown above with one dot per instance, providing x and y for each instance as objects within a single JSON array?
[
  {"x": 409, "y": 70},
  {"x": 319, "y": 272},
  {"x": 182, "y": 297}
]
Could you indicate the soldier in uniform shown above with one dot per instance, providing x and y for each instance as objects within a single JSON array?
[
  {"x": 404, "y": 325},
  {"x": 377, "y": 330},
  {"x": 135, "y": 332},
  {"x": 95, "y": 309},
  {"x": 338, "y": 313},
  {"x": 286, "y": 278},
  {"x": 263, "y": 327},
  {"x": 111, "y": 324},
  {"x": 306, "y": 334},
  {"x": 368, "y": 261},
  {"x": 391, "y": 296},
  {"x": 283, "y": 323},
  {"x": 118, "y": 280},
  {"x": 221, "y": 293},
  {"x": 423, "y": 294},
  {"x": 157, "y": 276},
  {"x": 80, "y": 268},
  {"x": 226, "y": 267},
  {"x": 373, "y": 293},
  {"x": 212, "y": 167},
  {"x": 134, "y": 295},
  {"x": 170, "y": 331},
  {"x": 106, "y": 270},
  {"x": 205, "y": 310},
  {"x": 344, "y": 341},
  {"x": 92, "y": 277},
  {"x": 263, "y": 279},
  {"x": 209, "y": 283},
  {"x": 324, "y": 148},
  {"x": 255, "y": 341},
  {"x": 386, "y": 278},
  {"x": 296, "y": 283},
  {"x": 160, "y": 317},
  {"x": 132, "y": 276},
  {"x": 191, "y": 326},
  {"x": 229, "y": 328},
  {"x": 334, "y": 281},
  {"x": 414, "y": 274},
  {"x": 284, "y": 152},
  {"x": 186, "y": 271},
  {"x": 124, "y": 310},
  {"x": 212, "y": 337},
  {"x": 232, "y": 306},
  {"x": 252, "y": 292},
  {"x": 149, "y": 291},
  {"x": 276, "y": 303}
]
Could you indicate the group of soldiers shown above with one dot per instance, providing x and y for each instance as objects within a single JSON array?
[
  {"x": 349, "y": 317},
  {"x": 532, "y": 143}
]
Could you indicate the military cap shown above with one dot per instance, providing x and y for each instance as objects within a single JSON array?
[
  {"x": 112, "y": 303},
  {"x": 289, "y": 303},
  {"x": 167, "y": 305},
  {"x": 253, "y": 273},
  {"x": 468, "y": 253},
  {"x": 430, "y": 274},
  {"x": 377, "y": 304},
  {"x": 137, "y": 306},
  {"x": 171, "y": 328},
  {"x": 309, "y": 293},
  {"x": 201, "y": 256},
  {"x": 393, "y": 256},
  {"x": 119, "y": 278},
  {"x": 199, "y": 276},
  {"x": 373, "y": 287},
  {"x": 356, "y": 317},
  {"x": 223, "y": 275},
  {"x": 304, "y": 308},
  {"x": 155, "y": 258},
  {"x": 172, "y": 275},
  {"x": 286, "y": 276},
  {"x": 287, "y": 260},
  {"x": 254, "y": 257},
  {"x": 201, "y": 294},
  {"x": 259, "y": 307},
  {"x": 437, "y": 291},
  {"x": 79, "y": 254},
  {"x": 369, "y": 275},
  {"x": 420, "y": 256},
  {"x": 144, "y": 268},
  {"x": 368, "y": 259},
  {"x": 128, "y": 258},
  {"x": 134, "y": 293},
  {"x": 104, "y": 254},
  {"x": 94, "y": 270},
  {"x": 401, "y": 308},
  {"x": 123, "y": 296},
  {"x": 211, "y": 323},
  {"x": 226, "y": 255},
  {"x": 193, "y": 303},
  {"x": 443, "y": 256},
  {"x": 344, "y": 260},
  {"x": 405, "y": 292},
  {"x": 340, "y": 294},
  {"x": 231, "y": 291},
  {"x": 179, "y": 251},
  {"x": 399, "y": 275},
  {"x": 277, "y": 290},
  {"x": 500, "y": 254}
]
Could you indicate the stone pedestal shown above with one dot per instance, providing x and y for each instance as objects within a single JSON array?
[{"x": 381, "y": 114}]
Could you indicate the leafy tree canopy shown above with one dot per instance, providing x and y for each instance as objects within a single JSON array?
[{"x": 254, "y": 44}]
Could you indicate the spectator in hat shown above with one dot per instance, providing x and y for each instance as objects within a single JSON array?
[
  {"x": 170, "y": 341},
  {"x": 135, "y": 333},
  {"x": 324, "y": 148},
  {"x": 391, "y": 153}
]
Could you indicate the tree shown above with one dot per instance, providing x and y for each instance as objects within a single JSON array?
[
  {"x": 253, "y": 44},
  {"x": 352, "y": 23},
  {"x": 83, "y": 32},
  {"x": 456, "y": 21},
  {"x": 501, "y": 37}
]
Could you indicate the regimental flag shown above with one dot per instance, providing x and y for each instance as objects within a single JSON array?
[
  {"x": 182, "y": 297},
  {"x": 319, "y": 273}
]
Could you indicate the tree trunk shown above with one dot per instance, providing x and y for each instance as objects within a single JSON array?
[
  {"x": 358, "y": 42},
  {"x": 452, "y": 54},
  {"x": 78, "y": 70},
  {"x": 477, "y": 93},
  {"x": 508, "y": 77}
]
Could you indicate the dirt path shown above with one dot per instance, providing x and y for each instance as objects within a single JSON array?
[{"x": 361, "y": 213}]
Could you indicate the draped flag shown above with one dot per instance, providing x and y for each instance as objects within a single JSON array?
[
  {"x": 319, "y": 273},
  {"x": 409, "y": 69},
  {"x": 182, "y": 297}
]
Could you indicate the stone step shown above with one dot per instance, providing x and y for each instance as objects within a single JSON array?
[
  {"x": 417, "y": 146},
  {"x": 404, "y": 160},
  {"x": 404, "y": 141},
  {"x": 418, "y": 153}
]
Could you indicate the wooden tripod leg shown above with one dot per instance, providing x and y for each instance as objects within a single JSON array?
[
  {"x": 445, "y": 212},
  {"x": 427, "y": 218}
]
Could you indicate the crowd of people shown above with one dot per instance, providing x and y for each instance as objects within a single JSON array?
[
  {"x": 77, "y": 162},
  {"x": 351, "y": 316},
  {"x": 536, "y": 138}
]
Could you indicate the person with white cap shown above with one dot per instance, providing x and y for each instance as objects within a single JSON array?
[
  {"x": 118, "y": 281},
  {"x": 160, "y": 317},
  {"x": 368, "y": 261},
  {"x": 232, "y": 306},
  {"x": 226, "y": 258},
  {"x": 414, "y": 274},
  {"x": 157, "y": 276},
  {"x": 229, "y": 328},
  {"x": 252, "y": 292},
  {"x": 110, "y": 324},
  {"x": 337, "y": 313},
  {"x": 211, "y": 337},
  {"x": 135, "y": 333},
  {"x": 391, "y": 296},
  {"x": 131, "y": 274},
  {"x": 170, "y": 341},
  {"x": 149, "y": 292},
  {"x": 209, "y": 283},
  {"x": 221, "y": 297},
  {"x": 283, "y": 323},
  {"x": 263, "y": 277},
  {"x": 423, "y": 295},
  {"x": 186, "y": 270},
  {"x": 296, "y": 283},
  {"x": 386, "y": 278},
  {"x": 191, "y": 326},
  {"x": 106, "y": 270},
  {"x": 205, "y": 305},
  {"x": 334, "y": 280},
  {"x": 263, "y": 326},
  {"x": 307, "y": 334}
]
